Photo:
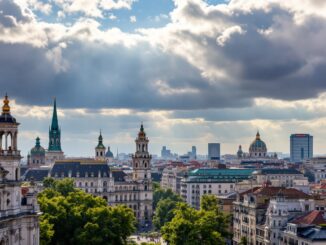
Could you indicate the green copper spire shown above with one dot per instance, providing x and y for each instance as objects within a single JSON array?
[
  {"x": 100, "y": 142},
  {"x": 54, "y": 132},
  {"x": 54, "y": 124}
]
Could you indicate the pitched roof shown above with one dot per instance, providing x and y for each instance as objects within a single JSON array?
[
  {"x": 272, "y": 191},
  {"x": 312, "y": 218},
  {"x": 118, "y": 175},
  {"x": 280, "y": 171},
  {"x": 79, "y": 168},
  {"x": 36, "y": 174},
  {"x": 314, "y": 233},
  {"x": 289, "y": 193}
]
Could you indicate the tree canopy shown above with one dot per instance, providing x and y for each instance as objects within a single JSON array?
[
  {"x": 191, "y": 227},
  {"x": 164, "y": 203},
  {"x": 71, "y": 216},
  {"x": 160, "y": 194}
]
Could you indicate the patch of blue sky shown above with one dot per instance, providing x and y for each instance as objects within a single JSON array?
[
  {"x": 147, "y": 14},
  {"x": 144, "y": 13}
]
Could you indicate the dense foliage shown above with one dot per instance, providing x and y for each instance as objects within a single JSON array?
[
  {"x": 191, "y": 227},
  {"x": 71, "y": 216},
  {"x": 164, "y": 203},
  {"x": 159, "y": 194}
]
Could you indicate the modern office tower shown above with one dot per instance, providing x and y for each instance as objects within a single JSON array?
[
  {"x": 214, "y": 151},
  {"x": 194, "y": 152},
  {"x": 301, "y": 147}
]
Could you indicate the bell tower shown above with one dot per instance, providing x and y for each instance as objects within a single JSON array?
[
  {"x": 54, "y": 151},
  {"x": 100, "y": 149},
  {"x": 9, "y": 154},
  {"x": 141, "y": 159},
  {"x": 141, "y": 164},
  {"x": 19, "y": 210}
]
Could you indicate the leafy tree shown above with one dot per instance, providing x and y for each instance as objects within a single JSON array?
[
  {"x": 71, "y": 216},
  {"x": 164, "y": 212},
  {"x": 49, "y": 182},
  {"x": 191, "y": 227},
  {"x": 160, "y": 194},
  {"x": 243, "y": 241}
]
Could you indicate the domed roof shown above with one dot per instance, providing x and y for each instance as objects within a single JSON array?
[
  {"x": 100, "y": 142},
  {"x": 5, "y": 116},
  {"x": 109, "y": 153},
  {"x": 37, "y": 149},
  {"x": 258, "y": 144}
]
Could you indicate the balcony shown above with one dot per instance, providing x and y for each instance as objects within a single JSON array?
[{"x": 9, "y": 153}]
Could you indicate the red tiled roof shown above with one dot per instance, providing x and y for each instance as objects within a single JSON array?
[
  {"x": 289, "y": 193},
  {"x": 272, "y": 191},
  {"x": 249, "y": 191},
  {"x": 312, "y": 218}
]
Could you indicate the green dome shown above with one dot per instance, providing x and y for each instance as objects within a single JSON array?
[
  {"x": 38, "y": 149},
  {"x": 258, "y": 145},
  {"x": 109, "y": 153}
]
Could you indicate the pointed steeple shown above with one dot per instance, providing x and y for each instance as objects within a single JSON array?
[
  {"x": 54, "y": 132},
  {"x": 54, "y": 124}
]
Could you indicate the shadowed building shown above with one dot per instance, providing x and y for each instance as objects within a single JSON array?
[{"x": 19, "y": 222}]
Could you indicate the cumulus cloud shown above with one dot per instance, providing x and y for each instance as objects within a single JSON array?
[
  {"x": 93, "y": 8},
  {"x": 133, "y": 19},
  {"x": 209, "y": 56}
]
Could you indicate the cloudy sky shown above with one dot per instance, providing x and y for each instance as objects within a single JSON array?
[{"x": 193, "y": 71}]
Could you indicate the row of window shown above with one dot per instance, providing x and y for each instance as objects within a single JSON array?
[{"x": 56, "y": 175}]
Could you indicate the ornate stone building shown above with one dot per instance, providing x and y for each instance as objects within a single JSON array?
[
  {"x": 100, "y": 149},
  {"x": 36, "y": 158},
  {"x": 54, "y": 151},
  {"x": 117, "y": 187},
  {"x": 258, "y": 147},
  {"x": 18, "y": 211}
]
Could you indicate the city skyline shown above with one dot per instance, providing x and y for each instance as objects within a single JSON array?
[
  {"x": 89, "y": 151},
  {"x": 194, "y": 72}
]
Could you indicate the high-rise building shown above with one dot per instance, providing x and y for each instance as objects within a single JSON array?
[
  {"x": 214, "y": 151},
  {"x": 301, "y": 147},
  {"x": 19, "y": 209},
  {"x": 194, "y": 152}
]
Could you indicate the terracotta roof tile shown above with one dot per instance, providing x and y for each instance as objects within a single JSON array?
[
  {"x": 312, "y": 218},
  {"x": 271, "y": 191}
]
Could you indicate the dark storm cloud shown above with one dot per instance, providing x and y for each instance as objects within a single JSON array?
[
  {"x": 105, "y": 76},
  {"x": 94, "y": 74}
]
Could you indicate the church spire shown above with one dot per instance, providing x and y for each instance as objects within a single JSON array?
[
  {"x": 54, "y": 124},
  {"x": 54, "y": 132}
]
